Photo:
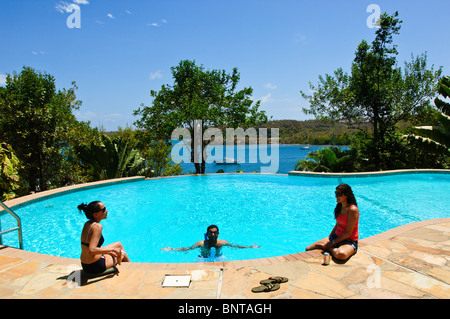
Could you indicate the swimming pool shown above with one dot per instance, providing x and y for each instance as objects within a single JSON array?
[{"x": 282, "y": 214}]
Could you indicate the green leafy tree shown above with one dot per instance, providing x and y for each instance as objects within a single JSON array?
[
  {"x": 36, "y": 119},
  {"x": 377, "y": 90},
  {"x": 9, "y": 175},
  {"x": 209, "y": 96},
  {"x": 159, "y": 160}
]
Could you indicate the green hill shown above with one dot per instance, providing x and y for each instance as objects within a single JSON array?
[{"x": 314, "y": 132}]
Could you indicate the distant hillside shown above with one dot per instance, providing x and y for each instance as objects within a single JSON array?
[
  {"x": 307, "y": 132},
  {"x": 313, "y": 132}
]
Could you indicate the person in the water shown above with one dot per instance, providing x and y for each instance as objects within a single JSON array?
[{"x": 211, "y": 241}]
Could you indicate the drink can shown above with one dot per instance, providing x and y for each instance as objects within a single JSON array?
[{"x": 326, "y": 259}]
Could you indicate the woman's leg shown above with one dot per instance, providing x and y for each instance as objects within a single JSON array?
[
  {"x": 343, "y": 252},
  {"x": 119, "y": 245},
  {"x": 318, "y": 244},
  {"x": 110, "y": 261}
]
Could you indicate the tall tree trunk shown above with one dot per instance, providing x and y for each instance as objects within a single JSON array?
[
  {"x": 42, "y": 182},
  {"x": 376, "y": 139},
  {"x": 203, "y": 168}
]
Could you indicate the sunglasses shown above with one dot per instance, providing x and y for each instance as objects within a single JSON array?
[
  {"x": 339, "y": 194},
  {"x": 103, "y": 209},
  {"x": 213, "y": 233}
]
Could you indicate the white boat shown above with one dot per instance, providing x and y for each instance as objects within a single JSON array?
[
  {"x": 228, "y": 161},
  {"x": 306, "y": 147}
]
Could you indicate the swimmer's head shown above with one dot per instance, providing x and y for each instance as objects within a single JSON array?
[{"x": 212, "y": 233}]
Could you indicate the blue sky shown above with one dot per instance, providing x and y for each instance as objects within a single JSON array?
[{"x": 124, "y": 49}]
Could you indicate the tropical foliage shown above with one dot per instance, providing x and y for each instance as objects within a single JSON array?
[
  {"x": 111, "y": 158},
  {"x": 436, "y": 139},
  {"x": 9, "y": 173},
  {"x": 327, "y": 160}
]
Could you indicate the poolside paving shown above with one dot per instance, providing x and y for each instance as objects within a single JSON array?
[{"x": 411, "y": 261}]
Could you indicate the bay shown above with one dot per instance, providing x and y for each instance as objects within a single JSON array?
[{"x": 288, "y": 155}]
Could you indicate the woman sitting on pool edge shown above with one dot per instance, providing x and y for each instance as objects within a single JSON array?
[
  {"x": 211, "y": 241},
  {"x": 343, "y": 240},
  {"x": 94, "y": 258}
]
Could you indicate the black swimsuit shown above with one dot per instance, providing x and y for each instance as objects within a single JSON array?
[{"x": 98, "y": 266}]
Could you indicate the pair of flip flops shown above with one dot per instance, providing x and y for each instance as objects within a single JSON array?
[{"x": 271, "y": 284}]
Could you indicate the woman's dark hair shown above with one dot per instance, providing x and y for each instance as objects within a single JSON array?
[
  {"x": 351, "y": 200},
  {"x": 90, "y": 209}
]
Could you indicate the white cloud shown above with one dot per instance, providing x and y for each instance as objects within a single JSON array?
[
  {"x": 65, "y": 7},
  {"x": 85, "y": 116},
  {"x": 38, "y": 52},
  {"x": 62, "y": 7},
  {"x": 156, "y": 24},
  {"x": 271, "y": 86},
  {"x": 2, "y": 79},
  {"x": 109, "y": 121},
  {"x": 110, "y": 16},
  {"x": 128, "y": 11},
  {"x": 156, "y": 75},
  {"x": 266, "y": 98}
]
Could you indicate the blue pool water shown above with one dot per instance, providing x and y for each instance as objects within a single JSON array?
[{"x": 282, "y": 214}]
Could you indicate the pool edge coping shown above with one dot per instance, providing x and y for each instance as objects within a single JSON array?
[
  {"x": 28, "y": 256},
  {"x": 375, "y": 173},
  {"x": 67, "y": 189}
]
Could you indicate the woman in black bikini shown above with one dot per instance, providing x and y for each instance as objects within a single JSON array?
[{"x": 95, "y": 259}]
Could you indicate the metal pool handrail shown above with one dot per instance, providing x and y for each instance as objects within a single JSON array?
[{"x": 18, "y": 228}]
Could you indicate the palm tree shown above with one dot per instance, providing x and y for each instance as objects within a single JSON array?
[
  {"x": 325, "y": 160},
  {"x": 436, "y": 139},
  {"x": 111, "y": 158}
]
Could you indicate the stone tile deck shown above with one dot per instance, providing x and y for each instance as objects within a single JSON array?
[{"x": 411, "y": 261}]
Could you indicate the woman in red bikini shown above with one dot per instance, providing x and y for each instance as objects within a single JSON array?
[
  {"x": 343, "y": 240},
  {"x": 95, "y": 259}
]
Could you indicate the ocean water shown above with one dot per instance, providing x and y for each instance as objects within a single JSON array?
[{"x": 288, "y": 155}]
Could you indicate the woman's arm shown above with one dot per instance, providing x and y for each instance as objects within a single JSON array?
[
  {"x": 95, "y": 238},
  {"x": 334, "y": 229}
]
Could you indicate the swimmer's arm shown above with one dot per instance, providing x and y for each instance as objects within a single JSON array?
[
  {"x": 239, "y": 246},
  {"x": 196, "y": 245}
]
